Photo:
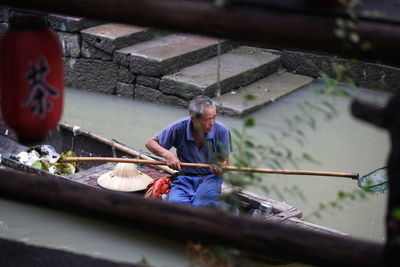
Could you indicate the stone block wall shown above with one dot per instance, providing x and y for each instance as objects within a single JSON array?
[
  {"x": 107, "y": 65},
  {"x": 366, "y": 75}
]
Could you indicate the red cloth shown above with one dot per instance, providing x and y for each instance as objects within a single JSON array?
[{"x": 158, "y": 188}]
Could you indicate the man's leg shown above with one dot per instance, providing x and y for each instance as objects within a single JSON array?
[
  {"x": 208, "y": 192},
  {"x": 181, "y": 190}
]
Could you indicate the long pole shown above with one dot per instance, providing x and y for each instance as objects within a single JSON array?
[{"x": 202, "y": 165}]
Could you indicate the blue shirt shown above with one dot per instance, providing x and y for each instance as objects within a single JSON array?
[{"x": 179, "y": 135}]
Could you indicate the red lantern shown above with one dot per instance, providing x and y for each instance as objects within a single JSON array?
[{"x": 32, "y": 78}]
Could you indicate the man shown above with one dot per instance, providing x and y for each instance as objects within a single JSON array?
[{"x": 197, "y": 139}]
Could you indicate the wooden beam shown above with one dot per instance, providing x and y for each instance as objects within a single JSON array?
[
  {"x": 187, "y": 223},
  {"x": 273, "y": 26}
]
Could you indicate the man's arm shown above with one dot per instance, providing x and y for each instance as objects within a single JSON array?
[{"x": 154, "y": 146}]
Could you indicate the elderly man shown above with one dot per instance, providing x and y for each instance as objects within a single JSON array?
[{"x": 197, "y": 139}]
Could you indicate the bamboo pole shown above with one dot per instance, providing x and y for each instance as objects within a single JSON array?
[
  {"x": 202, "y": 165},
  {"x": 122, "y": 148}
]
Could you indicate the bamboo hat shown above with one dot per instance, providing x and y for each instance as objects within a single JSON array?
[{"x": 124, "y": 177}]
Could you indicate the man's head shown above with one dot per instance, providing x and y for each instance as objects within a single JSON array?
[{"x": 203, "y": 113}]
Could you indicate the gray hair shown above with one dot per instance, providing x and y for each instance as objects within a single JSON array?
[{"x": 199, "y": 104}]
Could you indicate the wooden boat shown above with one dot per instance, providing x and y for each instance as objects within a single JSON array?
[
  {"x": 85, "y": 143},
  {"x": 85, "y": 189}
]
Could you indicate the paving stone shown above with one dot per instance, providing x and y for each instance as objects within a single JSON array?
[
  {"x": 112, "y": 36},
  {"x": 70, "y": 44},
  {"x": 70, "y": 24},
  {"x": 265, "y": 91},
  {"x": 125, "y": 76},
  {"x": 239, "y": 67},
  {"x": 154, "y": 95},
  {"x": 90, "y": 51},
  {"x": 90, "y": 74},
  {"x": 125, "y": 89},
  {"x": 148, "y": 81},
  {"x": 170, "y": 53}
]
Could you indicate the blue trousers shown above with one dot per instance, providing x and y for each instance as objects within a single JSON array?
[{"x": 198, "y": 191}]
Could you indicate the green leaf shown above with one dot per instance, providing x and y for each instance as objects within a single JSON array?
[
  {"x": 249, "y": 97},
  {"x": 329, "y": 81},
  {"x": 249, "y": 144},
  {"x": 40, "y": 165},
  {"x": 308, "y": 157},
  {"x": 341, "y": 195},
  {"x": 396, "y": 214},
  {"x": 250, "y": 122}
]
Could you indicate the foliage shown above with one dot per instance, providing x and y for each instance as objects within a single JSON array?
[
  {"x": 343, "y": 198},
  {"x": 277, "y": 153},
  {"x": 59, "y": 167}
]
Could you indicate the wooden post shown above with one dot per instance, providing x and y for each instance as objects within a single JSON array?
[{"x": 388, "y": 118}]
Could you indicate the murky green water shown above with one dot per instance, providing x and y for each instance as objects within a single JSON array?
[{"x": 343, "y": 144}]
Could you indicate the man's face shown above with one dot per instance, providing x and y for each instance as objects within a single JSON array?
[{"x": 207, "y": 121}]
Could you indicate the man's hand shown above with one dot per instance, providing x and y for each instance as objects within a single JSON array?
[
  {"x": 154, "y": 146},
  {"x": 217, "y": 169},
  {"x": 173, "y": 162}
]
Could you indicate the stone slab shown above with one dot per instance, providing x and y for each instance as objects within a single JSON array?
[
  {"x": 112, "y": 36},
  {"x": 366, "y": 75},
  {"x": 238, "y": 68},
  {"x": 167, "y": 54},
  {"x": 148, "y": 81},
  {"x": 265, "y": 91},
  {"x": 125, "y": 89},
  {"x": 125, "y": 76},
  {"x": 70, "y": 24},
  {"x": 155, "y": 96},
  {"x": 70, "y": 44},
  {"x": 90, "y": 51},
  {"x": 91, "y": 75}
]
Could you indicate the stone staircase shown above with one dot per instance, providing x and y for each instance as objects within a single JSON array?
[{"x": 170, "y": 68}]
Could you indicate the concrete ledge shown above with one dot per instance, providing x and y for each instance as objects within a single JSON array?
[
  {"x": 112, "y": 36},
  {"x": 70, "y": 24},
  {"x": 366, "y": 75},
  {"x": 264, "y": 91}
]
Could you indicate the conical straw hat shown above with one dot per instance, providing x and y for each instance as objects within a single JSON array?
[{"x": 125, "y": 177}]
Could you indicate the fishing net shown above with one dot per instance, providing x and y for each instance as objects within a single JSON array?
[{"x": 376, "y": 181}]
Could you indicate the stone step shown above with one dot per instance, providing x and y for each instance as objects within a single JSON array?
[
  {"x": 112, "y": 36},
  {"x": 168, "y": 53},
  {"x": 70, "y": 24},
  {"x": 238, "y": 68},
  {"x": 265, "y": 91}
]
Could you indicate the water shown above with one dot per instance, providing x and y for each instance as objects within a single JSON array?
[{"x": 343, "y": 144}]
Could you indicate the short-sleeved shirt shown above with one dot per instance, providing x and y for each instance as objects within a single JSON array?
[{"x": 179, "y": 135}]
